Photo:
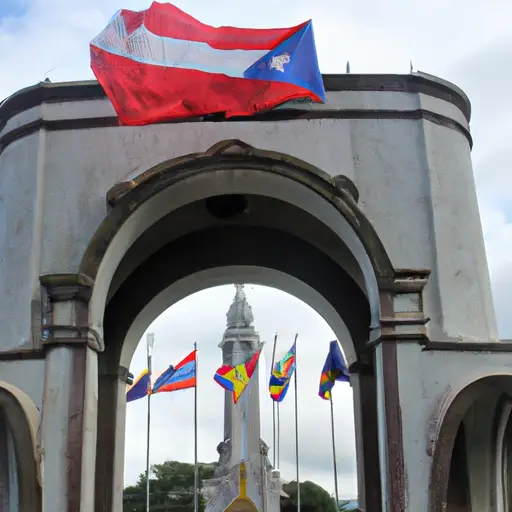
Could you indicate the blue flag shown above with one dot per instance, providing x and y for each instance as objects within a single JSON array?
[
  {"x": 140, "y": 387},
  {"x": 335, "y": 368}
]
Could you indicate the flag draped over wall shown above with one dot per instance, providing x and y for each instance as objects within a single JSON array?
[
  {"x": 181, "y": 376},
  {"x": 334, "y": 369},
  {"x": 281, "y": 375},
  {"x": 236, "y": 378},
  {"x": 162, "y": 64},
  {"x": 140, "y": 388}
]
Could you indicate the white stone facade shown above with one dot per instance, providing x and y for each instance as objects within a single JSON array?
[{"x": 371, "y": 195}]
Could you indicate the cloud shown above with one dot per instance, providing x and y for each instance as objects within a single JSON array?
[
  {"x": 52, "y": 36},
  {"x": 498, "y": 236},
  {"x": 457, "y": 40}
]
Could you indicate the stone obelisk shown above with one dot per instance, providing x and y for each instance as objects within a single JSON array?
[{"x": 244, "y": 479}]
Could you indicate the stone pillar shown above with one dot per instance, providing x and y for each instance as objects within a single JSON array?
[
  {"x": 362, "y": 381},
  {"x": 111, "y": 425},
  {"x": 402, "y": 320},
  {"x": 70, "y": 397}
]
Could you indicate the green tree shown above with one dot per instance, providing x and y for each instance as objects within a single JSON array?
[
  {"x": 313, "y": 498},
  {"x": 171, "y": 489}
]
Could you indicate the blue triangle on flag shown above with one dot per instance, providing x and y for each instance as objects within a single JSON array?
[{"x": 294, "y": 61}]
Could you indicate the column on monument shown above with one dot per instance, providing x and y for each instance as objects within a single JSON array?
[
  {"x": 228, "y": 412},
  {"x": 253, "y": 419},
  {"x": 227, "y": 359},
  {"x": 243, "y": 349},
  {"x": 234, "y": 419},
  {"x": 69, "y": 414}
]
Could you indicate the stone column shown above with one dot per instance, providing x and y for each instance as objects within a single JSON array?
[
  {"x": 227, "y": 359},
  {"x": 362, "y": 381},
  {"x": 69, "y": 415},
  {"x": 402, "y": 321},
  {"x": 111, "y": 426}
]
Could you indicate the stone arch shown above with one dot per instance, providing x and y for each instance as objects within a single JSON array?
[
  {"x": 502, "y": 470},
  {"x": 21, "y": 417},
  {"x": 129, "y": 201},
  {"x": 164, "y": 214},
  {"x": 450, "y": 429}
]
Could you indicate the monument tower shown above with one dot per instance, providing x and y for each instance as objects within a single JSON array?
[{"x": 244, "y": 479}]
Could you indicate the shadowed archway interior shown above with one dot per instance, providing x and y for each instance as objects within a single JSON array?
[
  {"x": 487, "y": 399},
  {"x": 14, "y": 426}
]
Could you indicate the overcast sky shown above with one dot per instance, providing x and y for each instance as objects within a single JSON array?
[{"x": 468, "y": 42}]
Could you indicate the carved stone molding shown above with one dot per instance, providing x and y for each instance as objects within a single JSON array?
[
  {"x": 65, "y": 311},
  {"x": 402, "y": 315},
  {"x": 342, "y": 182}
]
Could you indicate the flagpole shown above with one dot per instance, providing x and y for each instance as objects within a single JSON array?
[
  {"x": 334, "y": 454},
  {"x": 273, "y": 408},
  {"x": 150, "y": 340},
  {"x": 297, "y": 428},
  {"x": 196, "y": 467},
  {"x": 278, "y": 441}
]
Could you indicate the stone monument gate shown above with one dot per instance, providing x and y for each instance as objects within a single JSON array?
[{"x": 364, "y": 207}]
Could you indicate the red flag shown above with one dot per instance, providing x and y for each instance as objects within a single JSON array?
[{"x": 162, "y": 64}]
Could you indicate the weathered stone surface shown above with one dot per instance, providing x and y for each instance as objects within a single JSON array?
[{"x": 364, "y": 207}]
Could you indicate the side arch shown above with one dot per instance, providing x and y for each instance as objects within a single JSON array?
[
  {"x": 22, "y": 417},
  {"x": 455, "y": 410}
]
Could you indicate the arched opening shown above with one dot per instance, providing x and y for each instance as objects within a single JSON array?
[
  {"x": 202, "y": 317},
  {"x": 234, "y": 214},
  {"x": 471, "y": 461},
  {"x": 19, "y": 484}
]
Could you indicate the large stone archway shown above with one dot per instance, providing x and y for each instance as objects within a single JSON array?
[
  {"x": 95, "y": 212},
  {"x": 171, "y": 223}
]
